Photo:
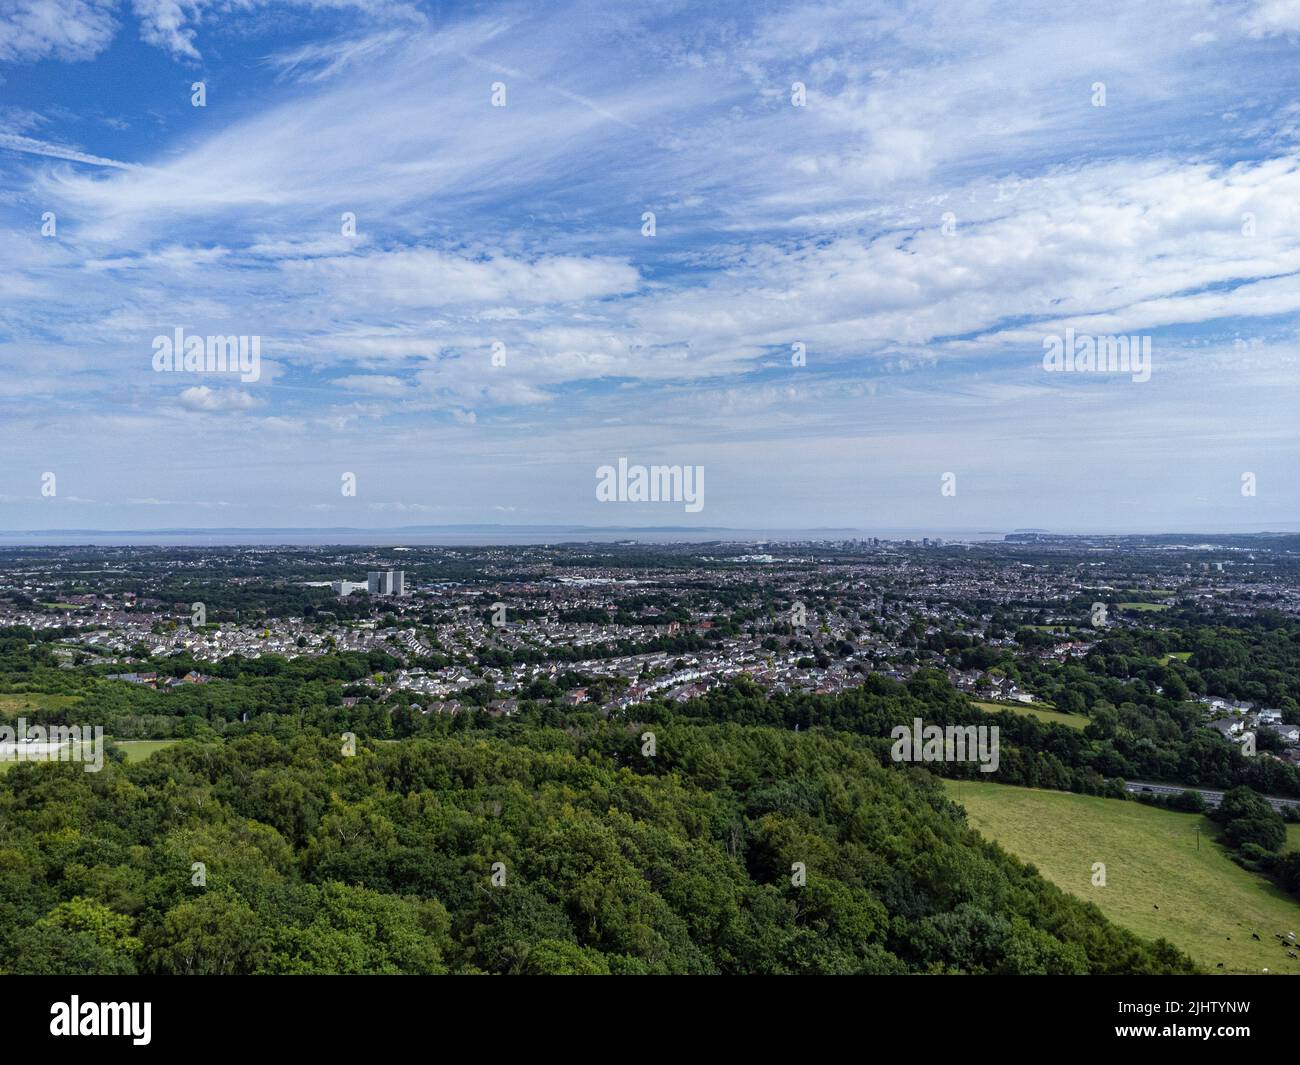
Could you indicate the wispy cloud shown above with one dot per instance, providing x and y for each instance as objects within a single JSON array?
[
  {"x": 30, "y": 146},
  {"x": 441, "y": 284}
]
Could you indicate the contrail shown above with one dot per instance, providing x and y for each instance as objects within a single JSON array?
[{"x": 15, "y": 143}]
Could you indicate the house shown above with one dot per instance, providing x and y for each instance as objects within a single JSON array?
[
  {"x": 995, "y": 687},
  {"x": 1228, "y": 706},
  {"x": 1227, "y": 727},
  {"x": 148, "y": 679},
  {"x": 190, "y": 678},
  {"x": 1289, "y": 733}
]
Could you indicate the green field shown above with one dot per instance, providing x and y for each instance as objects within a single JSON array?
[
  {"x": 1042, "y": 711},
  {"x": 1181, "y": 656},
  {"x": 135, "y": 750},
  {"x": 1144, "y": 606},
  {"x": 21, "y": 702},
  {"x": 139, "y": 750},
  {"x": 1157, "y": 882}
]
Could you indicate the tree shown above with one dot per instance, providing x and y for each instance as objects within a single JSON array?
[
  {"x": 1248, "y": 818},
  {"x": 212, "y": 935},
  {"x": 81, "y": 937},
  {"x": 555, "y": 957}
]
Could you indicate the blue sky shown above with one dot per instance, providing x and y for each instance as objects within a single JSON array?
[{"x": 948, "y": 196}]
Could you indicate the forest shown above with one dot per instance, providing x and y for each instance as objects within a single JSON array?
[{"x": 730, "y": 849}]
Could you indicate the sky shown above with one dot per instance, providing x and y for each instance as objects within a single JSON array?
[{"x": 868, "y": 223}]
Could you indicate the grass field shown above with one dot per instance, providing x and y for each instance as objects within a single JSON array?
[
  {"x": 135, "y": 750},
  {"x": 139, "y": 750},
  {"x": 1144, "y": 606},
  {"x": 1181, "y": 656},
  {"x": 21, "y": 702},
  {"x": 1041, "y": 711},
  {"x": 1207, "y": 905}
]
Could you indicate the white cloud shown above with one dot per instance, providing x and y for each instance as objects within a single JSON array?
[
  {"x": 70, "y": 30},
  {"x": 1270, "y": 17},
  {"x": 203, "y": 398},
  {"x": 372, "y": 384},
  {"x": 431, "y": 278},
  {"x": 172, "y": 24}
]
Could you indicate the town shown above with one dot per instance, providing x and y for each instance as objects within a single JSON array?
[{"x": 614, "y": 626}]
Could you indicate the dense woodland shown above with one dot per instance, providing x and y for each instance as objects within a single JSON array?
[{"x": 612, "y": 861}]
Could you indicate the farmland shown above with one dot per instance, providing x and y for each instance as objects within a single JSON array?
[{"x": 1158, "y": 883}]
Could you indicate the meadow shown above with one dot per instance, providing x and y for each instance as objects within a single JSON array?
[
  {"x": 135, "y": 750},
  {"x": 1160, "y": 880},
  {"x": 1041, "y": 711},
  {"x": 25, "y": 702}
]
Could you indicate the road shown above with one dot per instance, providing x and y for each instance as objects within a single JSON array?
[{"x": 1211, "y": 796}]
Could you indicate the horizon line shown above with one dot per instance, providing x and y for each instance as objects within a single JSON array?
[{"x": 812, "y": 532}]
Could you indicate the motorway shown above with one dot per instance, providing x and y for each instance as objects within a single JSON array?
[{"x": 1211, "y": 797}]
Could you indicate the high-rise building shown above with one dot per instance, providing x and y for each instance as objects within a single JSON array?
[{"x": 386, "y": 582}]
